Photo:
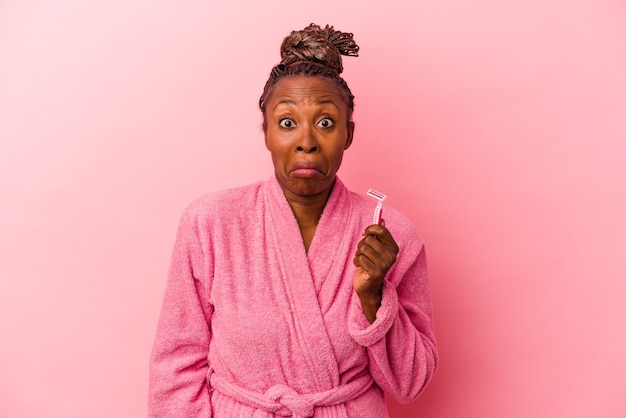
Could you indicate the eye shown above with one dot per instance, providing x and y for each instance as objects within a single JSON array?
[
  {"x": 286, "y": 123},
  {"x": 325, "y": 123}
]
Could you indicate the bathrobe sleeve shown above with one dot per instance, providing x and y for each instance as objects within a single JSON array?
[
  {"x": 400, "y": 343},
  {"x": 178, "y": 364}
]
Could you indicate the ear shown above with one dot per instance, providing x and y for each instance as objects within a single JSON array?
[
  {"x": 350, "y": 135},
  {"x": 265, "y": 136}
]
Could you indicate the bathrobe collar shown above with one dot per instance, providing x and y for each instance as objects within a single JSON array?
[{"x": 304, "y": 274}]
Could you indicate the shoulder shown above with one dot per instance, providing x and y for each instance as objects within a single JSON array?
[
  {"x": 227, "y": 201},
  {"x": 216, "y": 210}
]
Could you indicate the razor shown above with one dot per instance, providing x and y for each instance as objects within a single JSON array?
[{"x": 379, "y": 207}]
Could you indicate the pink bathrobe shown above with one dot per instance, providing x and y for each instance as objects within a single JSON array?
[{"x": 253, "y": 326}]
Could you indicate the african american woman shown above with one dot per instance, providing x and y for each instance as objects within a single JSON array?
[{"x": 283, "y": 299}]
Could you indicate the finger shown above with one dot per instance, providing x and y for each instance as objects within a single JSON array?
[
  {"x": 376, "y": 230},
  {"x": 376, "y": 251},
  {"x": 368, "y": 266},
  {"x": 372, "y": 273},
  {"x": 366, "y": 251},
  {"x": 383, "y": 235},
  {"x": 388, "y": 239},
  {"x": 372, "y": 245},
  {"x": 361, "y": 255}
]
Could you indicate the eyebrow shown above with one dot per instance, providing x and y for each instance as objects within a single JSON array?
[
  {"x": 290, "y": 102},
  {"x": 327, "y": 101},
  {"x": 319, "y": 102}
]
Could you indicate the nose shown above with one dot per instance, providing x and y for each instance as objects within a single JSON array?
[
  {"x": 307, "y": 141},
  {"x": 307, "y": 149}
]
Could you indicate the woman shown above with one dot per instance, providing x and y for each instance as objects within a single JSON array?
[{"x": 281, "y": 299}]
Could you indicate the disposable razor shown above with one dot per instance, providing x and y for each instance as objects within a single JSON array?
[{"x": 379, "y": 207}]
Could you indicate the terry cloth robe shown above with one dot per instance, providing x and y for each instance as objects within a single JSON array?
[{"x": 253, "y": 326}]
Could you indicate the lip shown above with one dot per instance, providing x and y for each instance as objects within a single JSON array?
[{"x": 306, "y": 169}]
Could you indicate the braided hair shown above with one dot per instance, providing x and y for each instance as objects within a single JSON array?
[{"x": 313, "y": 52}]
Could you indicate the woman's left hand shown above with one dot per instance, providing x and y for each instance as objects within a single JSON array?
[{"x": 375, "y": 255}]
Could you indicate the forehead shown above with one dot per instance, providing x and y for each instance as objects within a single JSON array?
[{"x": 302, "y": 89}]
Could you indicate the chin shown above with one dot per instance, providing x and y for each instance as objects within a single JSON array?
[
  {"x": 308, "y": 188},
  {"x": 307, "y": 191}
]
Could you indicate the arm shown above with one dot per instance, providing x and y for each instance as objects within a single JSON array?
[
  {"x": 178, "y": 365},
  {"x": 400, "y": 341}
]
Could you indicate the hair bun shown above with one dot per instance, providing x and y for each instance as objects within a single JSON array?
[{"x": 324, "y": 46}]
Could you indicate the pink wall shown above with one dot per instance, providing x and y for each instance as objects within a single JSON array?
[{"x": 497, "y": 126}]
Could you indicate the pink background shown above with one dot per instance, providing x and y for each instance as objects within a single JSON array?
[{"x": 498, "y": 127}]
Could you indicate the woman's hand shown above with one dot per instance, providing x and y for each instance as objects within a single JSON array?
[{"x": 375, "y": 255}]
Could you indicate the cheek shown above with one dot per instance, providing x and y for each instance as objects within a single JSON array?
[
  {"x": 277, "y": 151},
  {"x": 340, "y": 145},
  {"x": 337, "y": 155}
]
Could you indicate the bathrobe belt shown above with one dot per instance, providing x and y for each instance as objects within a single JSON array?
[{"x": 284, "y": 401}]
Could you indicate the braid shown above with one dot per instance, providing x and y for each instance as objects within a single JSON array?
[{"x": 313, "y": 52}]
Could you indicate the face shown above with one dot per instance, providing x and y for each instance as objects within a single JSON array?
[{"x": 307, "y": 130}]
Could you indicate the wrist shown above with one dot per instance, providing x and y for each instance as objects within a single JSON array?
[
  {"x": 371, "y": 300},
  {"x": 370, "y": 303}
]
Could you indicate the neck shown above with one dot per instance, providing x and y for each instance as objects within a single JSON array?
[{"x": 308, "y": 209}]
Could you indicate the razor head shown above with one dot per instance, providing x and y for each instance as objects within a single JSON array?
[{"x": 376, "y": 195}]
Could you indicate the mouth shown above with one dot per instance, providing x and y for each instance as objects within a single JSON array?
[{"x": 306, "y": 170}]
